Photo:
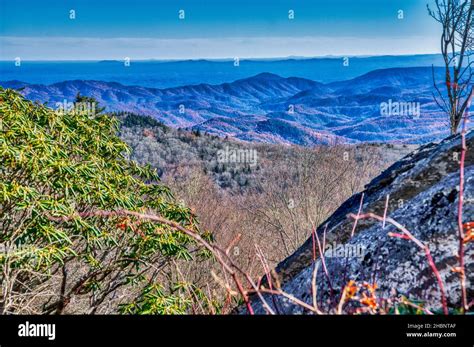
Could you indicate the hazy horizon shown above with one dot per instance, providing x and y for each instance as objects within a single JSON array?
[
  {"x": 172, "y": 73},
  {"x": 225, "y": 59}
]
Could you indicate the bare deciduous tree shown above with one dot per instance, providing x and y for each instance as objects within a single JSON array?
[{"x": 457, "y": 42}]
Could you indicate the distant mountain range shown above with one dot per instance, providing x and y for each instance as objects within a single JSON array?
[
  {"x": 168, "y": 74},
  {"x": 274, "y": 109}
]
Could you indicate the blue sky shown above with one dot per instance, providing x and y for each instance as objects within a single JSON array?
[{"x": 145, "y": 29}]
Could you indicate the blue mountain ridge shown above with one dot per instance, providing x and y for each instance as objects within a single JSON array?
[{"x": 275, "y": 109}]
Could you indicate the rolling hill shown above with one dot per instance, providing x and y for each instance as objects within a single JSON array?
[{"x": 273, "y": 109}]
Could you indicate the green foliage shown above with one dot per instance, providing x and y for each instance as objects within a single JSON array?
[
  {"x": 404, "y": 308},
  {"x": 414, "y": 307},
  {"x": 132, "y": 120},
  {"x": 56, "y": 171},
  {"x": 89, "y": 100},
  {"x": 154, "y": 300}
]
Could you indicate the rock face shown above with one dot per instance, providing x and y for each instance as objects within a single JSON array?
[{"x": 423, "y": 190}]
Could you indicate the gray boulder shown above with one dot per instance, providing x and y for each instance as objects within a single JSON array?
[{"x": 423, "y": 190}]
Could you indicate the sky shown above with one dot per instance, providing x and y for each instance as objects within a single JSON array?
[{"x": 152, "y": 29}]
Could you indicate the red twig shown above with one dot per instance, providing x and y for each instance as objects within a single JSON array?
[
  {"x": 232, "y": 243},
  {"x": 321, "y": 253},
  {"x": 313, "y": 239},
  {"x": 400, "y": 236},
  {"x": 462, "y": 272},
  {"x": 243, "y": 294},
  {"x": 385, "y": 210},
  {"x": 358, "y": 214},
  {"x": 266, "y": 269}
]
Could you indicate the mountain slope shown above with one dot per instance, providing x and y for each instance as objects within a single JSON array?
[{"x": 270, "y": 108}]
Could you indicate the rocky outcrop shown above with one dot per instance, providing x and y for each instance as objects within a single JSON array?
[{"x": 423, "y": 191}]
